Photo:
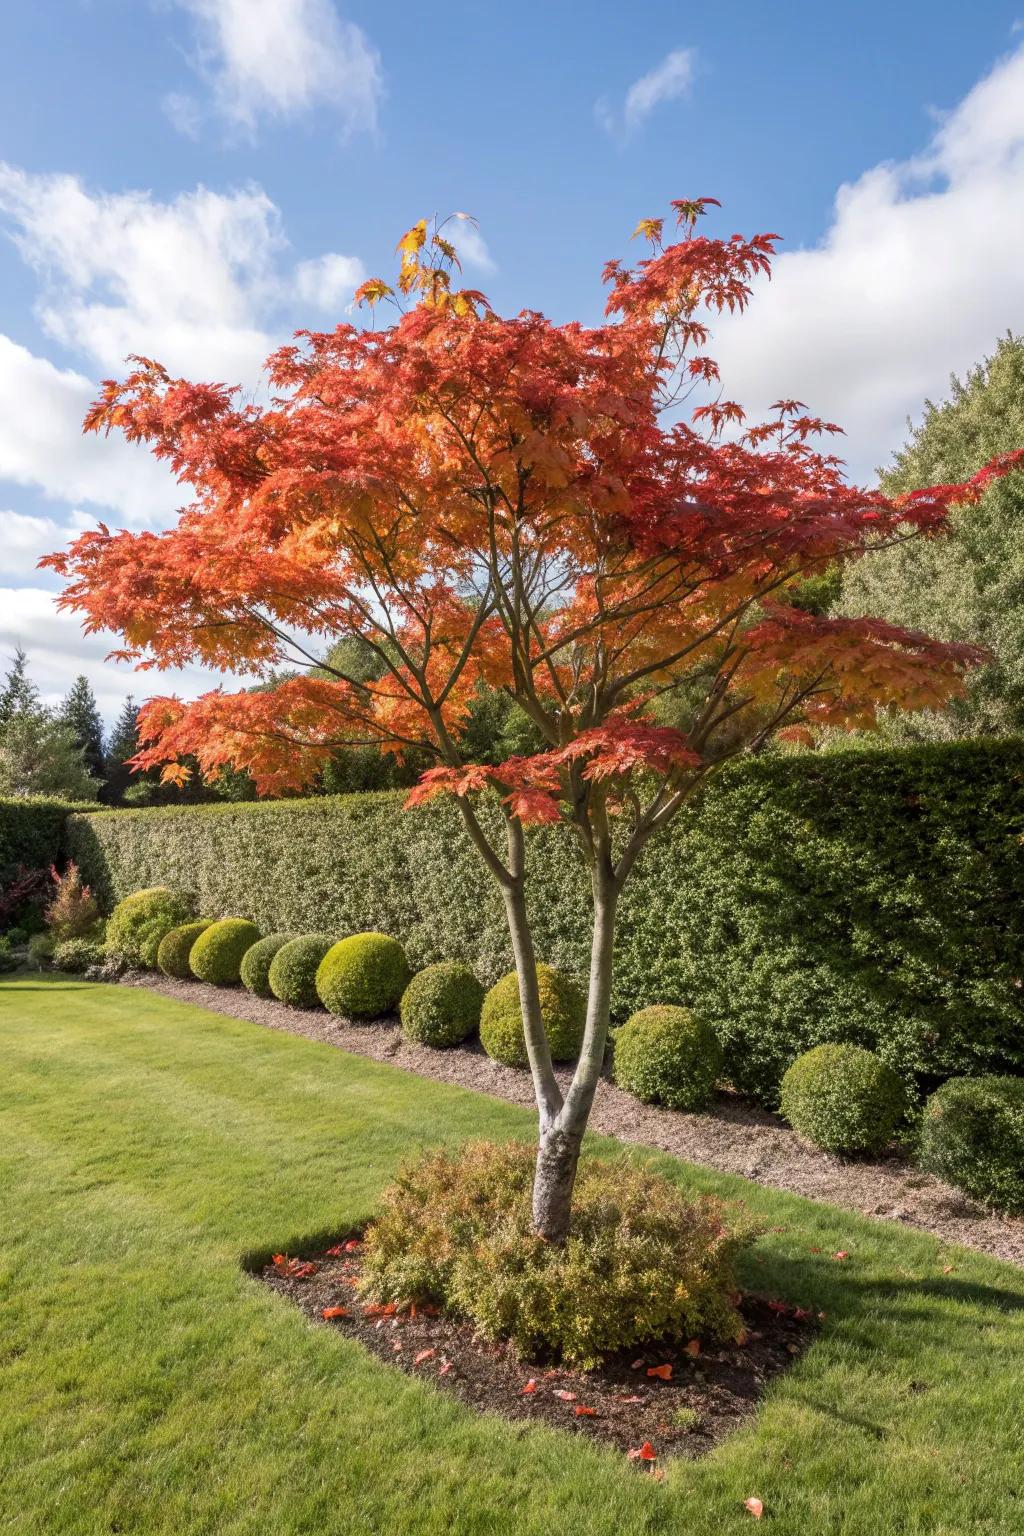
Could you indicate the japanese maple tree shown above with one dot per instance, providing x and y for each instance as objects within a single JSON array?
[{"x": 527, "y": 505}]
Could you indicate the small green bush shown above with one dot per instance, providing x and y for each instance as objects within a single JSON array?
[
  {"x": 175, "y": 947},
  {"x": 666, "y": 1056},
  {"x": 8, "y": 959},
  {"x": 843, "y": 1098},
  {"x": 563, "y": 1008},
  {"x": 972, "y": 1134},
  {"x": 16, "y": 936},
  {"x": 441, "y": 1005},
  {"x": 292, "y": 974},
  {"x": 255, "y": 970},
  {"x": 78, "y": 955},
  {"x": 641, "y": 1262},
  {"x": 40, "y": 949},
  {"x": 363, "y": 976},
  {"x": 216, "y": 955},
  {"x": 139, "y": 922}
]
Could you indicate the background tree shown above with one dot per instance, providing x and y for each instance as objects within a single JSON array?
[
  {"x": 19, "y": 694},
  {"x": 122, "y": 745},
  {"x": 513, "y": 503},
  {"x": 80, "y": 713},
  {"x": 39, "y": 756},
  {"x": 969, "y": 586}
]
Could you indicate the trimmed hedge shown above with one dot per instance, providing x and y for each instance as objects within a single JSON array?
[
  {"x": 254, "y": 972},
  {"x": 176, "y": 946},
  {"x": 32, "y": 833},
  {"x": 868, "y": 896},
  {"x": 217, "y": 953},
  {"x": 972, "y": 1134},
  {"x": 666, "y": 1056},
  {"x": 441, "y": 1005},
  {"x": 139, "y": 922},
  {"x": 362, "y": 976},
  {"x": 292, "y": 973},
  {"x": 563, "y": 1009},
  {"x": 843, "y": 1098}
]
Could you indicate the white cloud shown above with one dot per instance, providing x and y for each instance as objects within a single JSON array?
[
  {"x": 41, "y": 443},
  {"x": 667, "y": 81},
  {"x": 58, "y": 652},
  {"x": 328, "y": 281},
  {"x": 24, "y": 537},
  {"x": 461, "y": 231},
  {"x": 279, "y": 58},
  {"x": 917, "y": 276}
]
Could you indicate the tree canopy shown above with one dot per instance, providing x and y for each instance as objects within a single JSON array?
[{"x": 521, "y": 504}]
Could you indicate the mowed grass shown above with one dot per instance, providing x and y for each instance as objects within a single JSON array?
[{"x": 147, "y": 1385}]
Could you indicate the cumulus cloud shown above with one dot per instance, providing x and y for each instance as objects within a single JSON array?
[
  {"x": 196, "y": 281},
  {"x": 42, "y": 446},
  {"x": 278, "y": 58},
  {"x": 58, "y": 652},
  {"x": 667, "y": 81},
  {"x": 24, "y": 537},
  {"x": 917, "y": 276},
  {"x": 462, "y": 232}
]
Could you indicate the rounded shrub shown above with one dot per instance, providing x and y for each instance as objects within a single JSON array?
[
  {"x": 642, "y": 1261},
  {"x": 972, "y": 1134},
  {"x": 255, "y": 969},
  {"x": 217, "y": 953},
  {"x": 77, "y": 955},
  {"x": 363, "y": 976},
  {"x": 666, "y": 1056},
  {"x": 441, "y": 1005},
  {"x": 292, "y": 973},
  {"x": 174, "y": 948},
  {"x": 843, "y": 1098},
  {"x": 139, "y": 922},
  {"x": 563, "y": 1009}
]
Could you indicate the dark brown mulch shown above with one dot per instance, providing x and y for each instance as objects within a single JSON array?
[{"x": 710, "y": 1390}]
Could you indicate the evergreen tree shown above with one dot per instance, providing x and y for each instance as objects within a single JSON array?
[
  {"x": 39, "y": 756},
  {"x": 19, "y": 694},
  {"x": 969, "y": 586},
  {"x": 80, "y": 713},
  {"x": 122, "y": 744}
]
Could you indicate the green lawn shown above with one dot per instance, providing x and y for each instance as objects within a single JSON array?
[{"x": 148, "y": 1386}]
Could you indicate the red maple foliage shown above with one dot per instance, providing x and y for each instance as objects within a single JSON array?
[{"x": 522, "y": 504}]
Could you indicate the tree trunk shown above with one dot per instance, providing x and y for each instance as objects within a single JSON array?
[{"x": 560, "y": 1142}]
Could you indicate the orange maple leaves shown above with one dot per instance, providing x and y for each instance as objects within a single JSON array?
[{"x": 492, "y": 500}]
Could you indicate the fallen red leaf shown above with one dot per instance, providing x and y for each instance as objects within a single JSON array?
[
  {"x": 567, "y": 1397},
  {"x": 531, "y": 1386},
  {"x": 375, "y": 1309},
  {"x": 444, "y": 1368},
  {"x": 947, "y": 1269},
  {"x": 335, "y": 1252},
  {"x": 778, "y": 1307},
  {"x": 645, "y": 1452},
  {"x": 693, "y": 1348},
  {"x": 842, "y": 1254},
  {"x": 800, "y": 1314},
  {"x": 336, "y": 1312},
  {"x": 663, "y": 1372},
  {"x": 585, "y": 1413},
  {"x": 352, "y": 1246},
  {"x": 755, "y": 1507},
  {"x": 424, "y": 1354}
]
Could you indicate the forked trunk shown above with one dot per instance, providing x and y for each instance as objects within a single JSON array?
[{"x": 554, "y": 1178}]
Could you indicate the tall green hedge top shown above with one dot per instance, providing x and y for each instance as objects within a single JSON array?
[{"x": 870, "y": 896}]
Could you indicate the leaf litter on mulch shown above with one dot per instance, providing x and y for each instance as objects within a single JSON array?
[{"x": 679, "y": 1398}]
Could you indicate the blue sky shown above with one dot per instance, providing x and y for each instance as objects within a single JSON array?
[{"x": 195, "y": 178}]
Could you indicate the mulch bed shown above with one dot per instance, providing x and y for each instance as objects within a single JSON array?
[{"x": 667, "y": 1400}]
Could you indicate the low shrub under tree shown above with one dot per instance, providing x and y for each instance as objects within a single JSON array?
[
  {"x": 216, "y": 956},
  {"x": 363, "y": 976},
  {"x": 642, "y": 1263},
  {"x": 254, "y": 973},
  {"x": 139, "y": 922},
  {"x": 176, "y": 946}
]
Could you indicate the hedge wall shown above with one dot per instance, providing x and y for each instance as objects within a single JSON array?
[
  {"x": 31, "y": 833},
  {"x": 872, "y": 896}
]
